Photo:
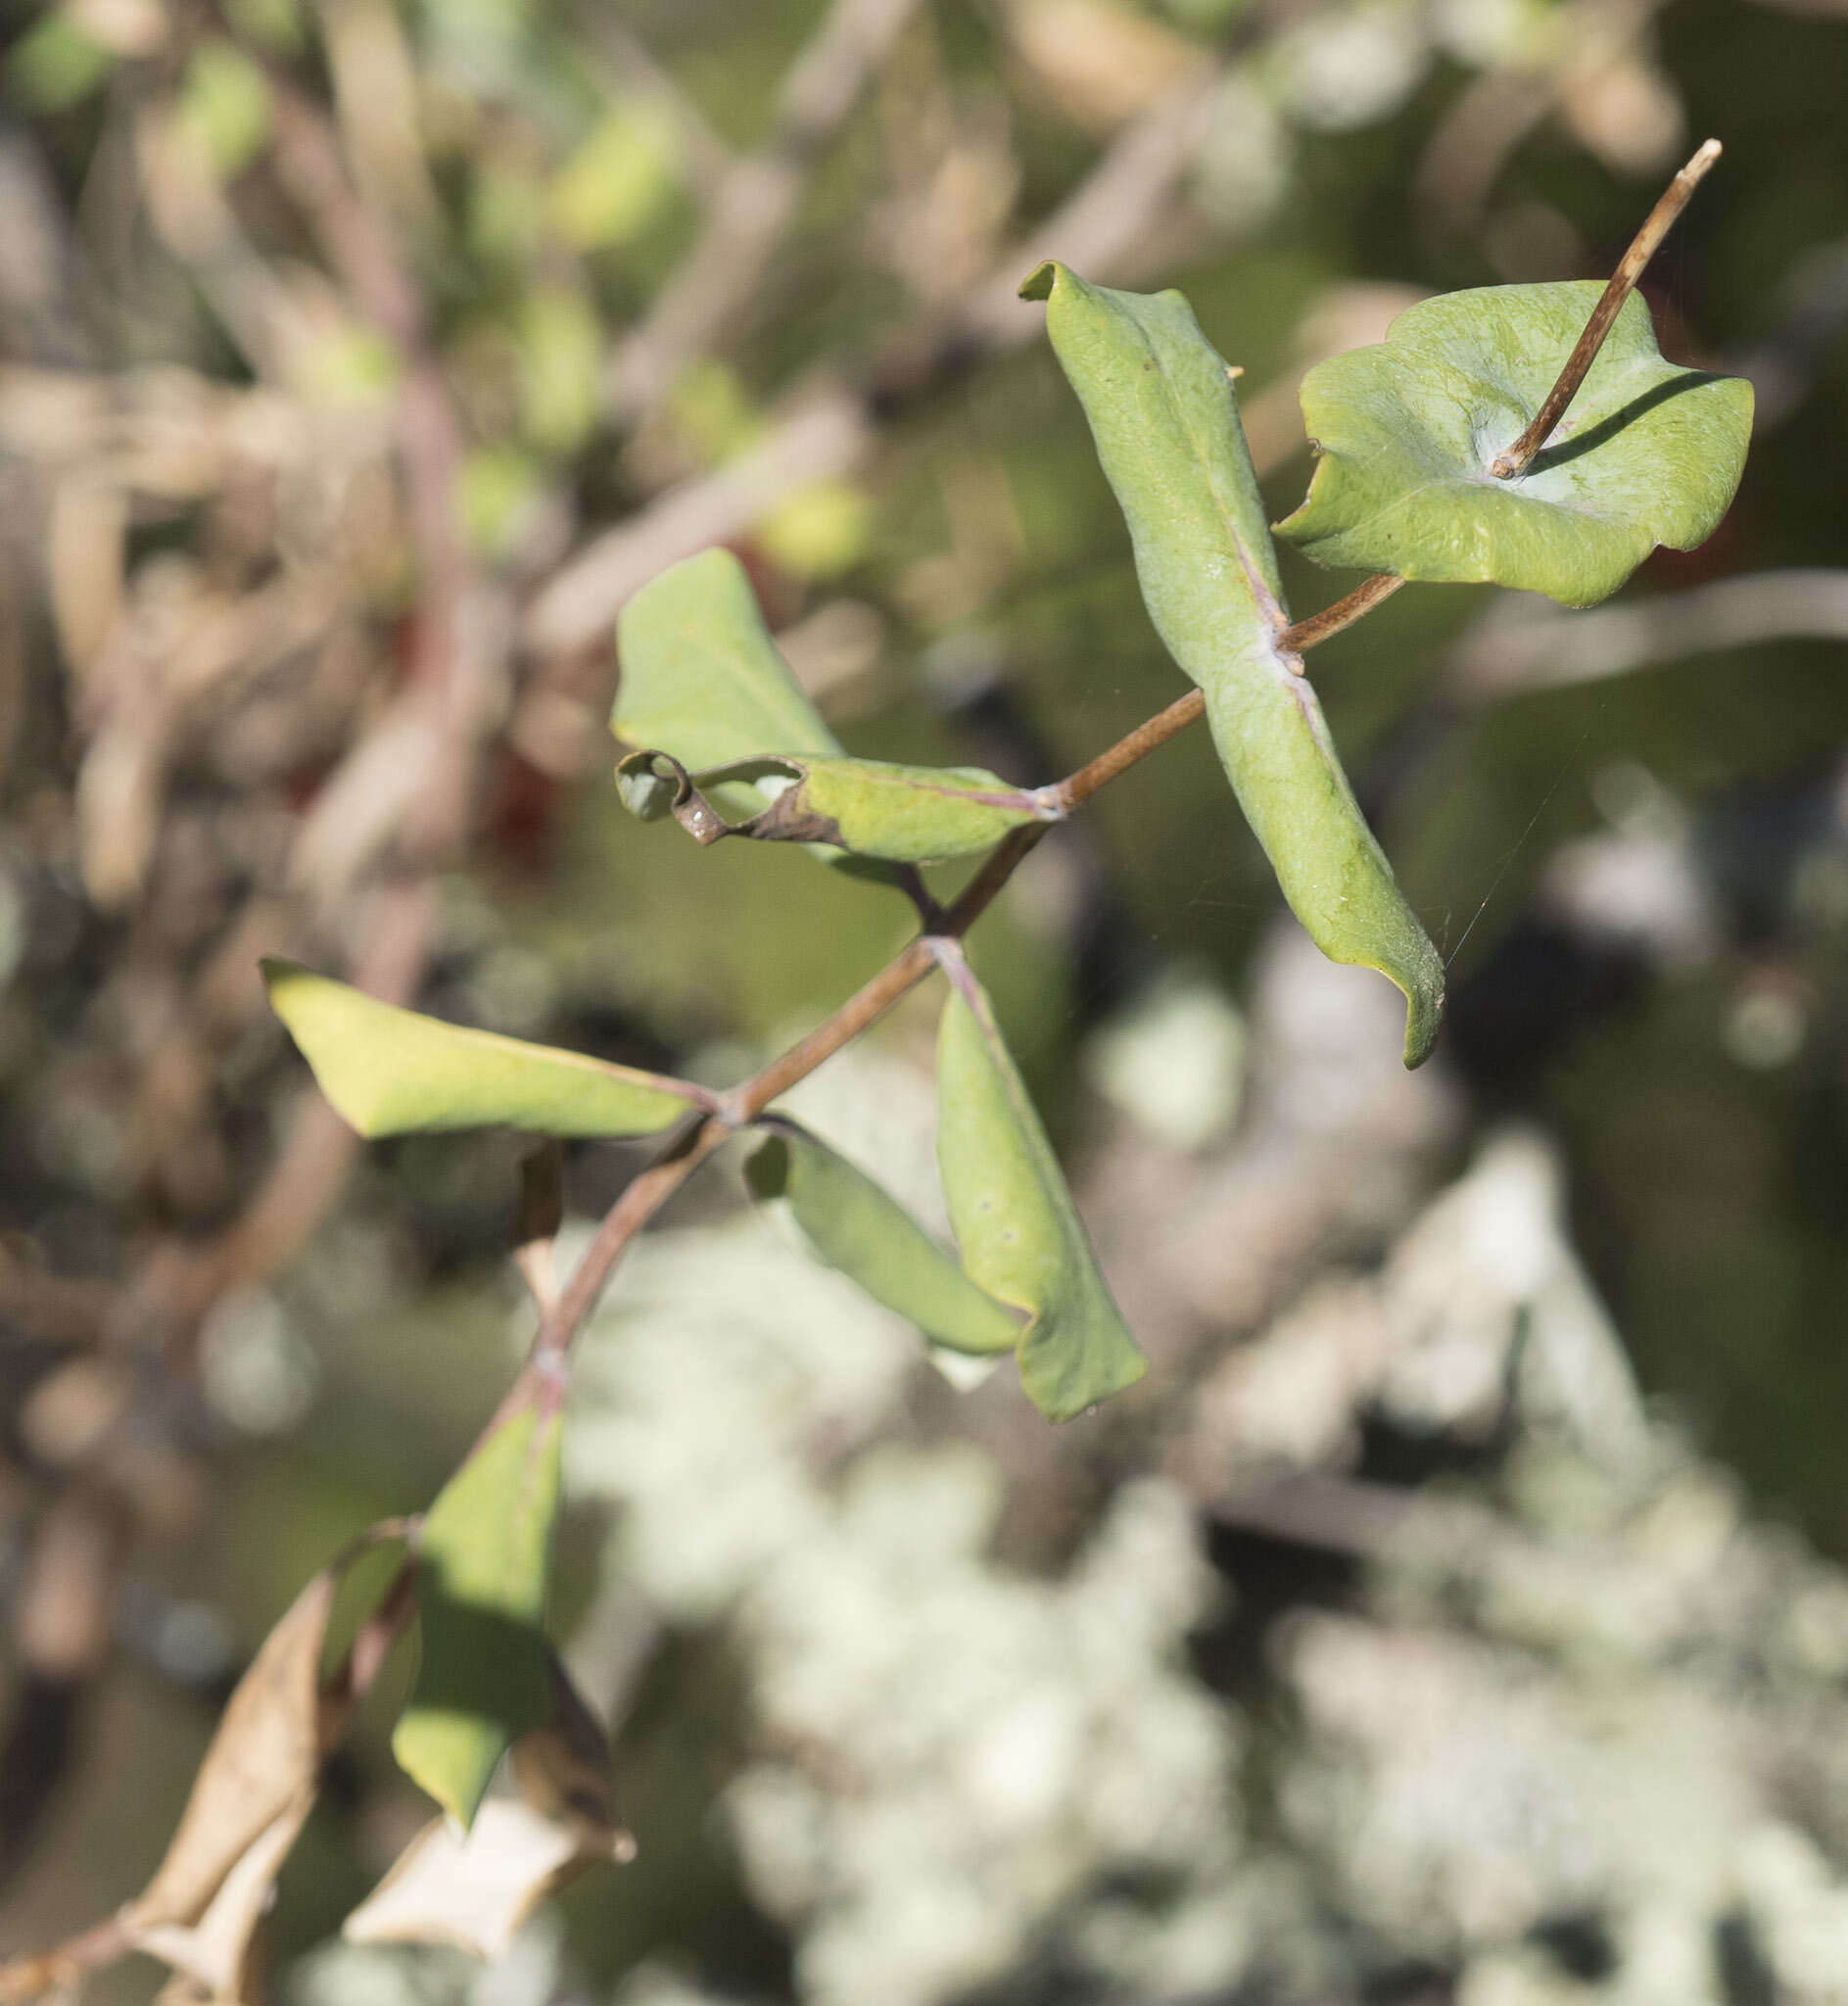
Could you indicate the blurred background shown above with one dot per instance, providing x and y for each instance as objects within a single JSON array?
[{"x": 1457, "y": 1611}]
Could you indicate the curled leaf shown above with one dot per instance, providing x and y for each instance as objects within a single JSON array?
[
  {"x": 870, "y": 807},
  {"x": 482, "y": 1562},
  {"x": 390, "y": 1071},
  {"x": 1166, "y": 421},
  {"x": 857, "y": 1227},
  {"x": 249, "y": 1802},
  {"x": 701, "y": 678},
  {"x": 1020, "y": 1234},
  {"x": 1406, "y": 432}
]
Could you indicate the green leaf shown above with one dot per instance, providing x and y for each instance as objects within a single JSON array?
[
  {"x": 1163, "y": 414},
  {"x": 619, "y": 180},
  {"x": 562, "y": 352},
  {"x": 483, "y": 1561},
  {"x": 1020, "y": 1234},
  {"x": 57, "y": 63},
  {"x": 390, "y": 1071},
  {"x": 855, "y": 1226},
  {"x": 1646, "y": 454},
  {"x": 906, "y": 814},
  {"x": 225, "y": 102},
  {"x": 701, "y": 678},
  {"x": 868, "y": 807}
]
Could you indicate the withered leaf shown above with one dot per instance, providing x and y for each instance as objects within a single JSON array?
[
  {"x": 475, "y": 1890},
  {"x": 249, "y": 1802}
]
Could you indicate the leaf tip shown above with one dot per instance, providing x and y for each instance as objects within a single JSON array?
[
  {"x": 1424, "y": 1017},
  {"x": 1038, "y": 283},
  {"x": 767, "y": 1168}
]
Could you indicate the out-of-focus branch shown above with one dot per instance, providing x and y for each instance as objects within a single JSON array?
[
  {"x": 705, "y": 158},
  {"x": 1526, "y": 645},
  {"x": 1497, "y": 113},
  {"x": 831, "y": 434},
  {"x": 755, "y": 202},
  {"x": 1105, "y": 226}
]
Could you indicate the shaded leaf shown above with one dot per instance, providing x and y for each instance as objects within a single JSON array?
[
  {"x": 1646, "y": 454},
  {"x": 475, "y": 1890},
  {"x": 1163, "y": 414},
  {"x": 482, "y": 1562},
  {"x": 855, "y": 1226},
  {"x": 249, "y": 1801},
  {"x": 1019, "y": 1230},
  {"x": 390, "y": 1071},
  {"x": 871, "y": 807}
]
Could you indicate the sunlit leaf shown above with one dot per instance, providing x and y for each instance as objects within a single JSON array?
[
  {"x": 561, "y": 353},
  {"x": 474, "y": 1889},
  {"x": 225, "y": 102},
  {"x": 1646, "y": 454},
  {"x": 703, "y": 681},
  {"x": 619, "y": 179},
  {"x": 701, "y": 678},
  {"x": 1020, "y": 1234},
  {"x": 390, "y": 1071},
  {"x": 56, "y": 63},
  {"x": 484, "y": 1559},
  {"x": 1166, "y": 426},
  {"x": 855, "y": 1226},
  {"x": 869, "y": 807}
]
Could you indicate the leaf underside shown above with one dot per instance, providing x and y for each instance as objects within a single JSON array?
[
  {"x": 1405, "y": 431},
  {"x": 856, "y": 1228},
  {"x": 1163, "y": 413},
  {"x": 484, "y": 1557},
  {"x": 1020, "y": 1236},
  {"x": 390, "y": 1072}
]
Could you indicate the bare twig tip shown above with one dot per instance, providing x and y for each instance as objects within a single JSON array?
[{"x": 1647, "y": 241}]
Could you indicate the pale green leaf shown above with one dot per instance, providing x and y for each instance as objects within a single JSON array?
[
  {"x": 905, "y": 814},
  {"x": 701, "y": 678},
  {"x": 868, "y": 807},
  {"x": 224, "y": 102},
  {"x": 1166, "y": 421},
  {"x": 1020, "y": 1234},
  {"x": 390, "y": 1071},
  {"x": 484, "y": 1559},
  {"x": 855, "y": 1226},
  {"x": 1646, "y": 454}
]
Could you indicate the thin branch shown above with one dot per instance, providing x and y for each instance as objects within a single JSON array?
[
  {"x": 1137, "y": 744},
  {"x": 691, "y": 1145},
  {"x": 58, "y": 1970},
  {"x": 1643, "y": 247},
  {"x": 1333, "y": 620},
  {"x": 1522, "y": 646}
]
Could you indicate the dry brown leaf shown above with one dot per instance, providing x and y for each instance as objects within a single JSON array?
[
  {"x": 253, "y": 1791},
  {"x": 475, "y": 1890},
  {"x": 85, "y": 537},
  {"x": 218, "y": 1953}
]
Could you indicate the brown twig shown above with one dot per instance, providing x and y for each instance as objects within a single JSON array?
[
  {"x": 1623, "y": 282},
  {"x": 691, "y": 1145},
  {"x": 1137, "y": 744},
  {"x": 1333, "y": 620}
]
